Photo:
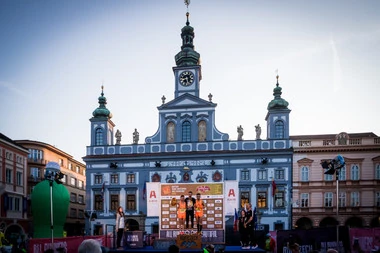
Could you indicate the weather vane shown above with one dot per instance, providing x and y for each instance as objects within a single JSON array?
[
  {"x": 277, "y": 76},
  {"x": 187, "y": 2}
]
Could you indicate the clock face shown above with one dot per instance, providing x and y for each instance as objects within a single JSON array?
[{"x": 186, "y": 78}]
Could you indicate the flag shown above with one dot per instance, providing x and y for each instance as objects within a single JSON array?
[
  {"x": 274, "y": 187},
  {"x": 236, "y": 221},
  {"x": 144, "y": 191},
  {"x": 254, "y": 219}
]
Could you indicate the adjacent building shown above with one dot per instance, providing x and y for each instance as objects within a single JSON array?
[
  {"x": 315, "y": 193},
  {"x": 40, "y": 154},
  {"x": 13, "y": 180}
]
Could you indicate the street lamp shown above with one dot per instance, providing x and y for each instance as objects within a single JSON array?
[{"x": 332, "y": 167}]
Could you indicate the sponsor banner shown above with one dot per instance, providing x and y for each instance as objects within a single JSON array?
[
  {"x": 153, "y": 199},
  {"x": 231, "y": 188},
  {"x": 208, "y": 236},
  {"x": 65, "y": 244},
  {"x": 365, "y": 240},
  {"x": 320, "y": 239},
  {"x": 133, "y": 239}
]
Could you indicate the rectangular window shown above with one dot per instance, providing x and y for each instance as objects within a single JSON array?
[
  {"x": 80, "y": 199},
  {"x": 130, "y": 178},
  {"x": 73, "y": 197},
  {"x": 279, "y": 199},
  {"x": 355, "y": 201},
  {"x": 80, "y": 184},
  {"x": 60, "y": 162},
  {"x": 73, "y": 212},
  {"x": 342, "y": 199},
  {"x": 77, "y": 169},
  {"x": 328, "y": 199},
  {"x": 10, "y": 203},
  {"x": 80, "y": 214},
  {"x": 73, "y": 181},
  {"x": 35, "y": 154},
  {"x": 114, "y": 202},
  {"x": 8, "y": 176},
  {"x": 244, "y": 198},
  {"x": 304, "y": 199},
  {"x": 70, "y": 166},
  {"x": 35, "y": 172},
  {"x": 115, "y": 178},
  {"x": 262, "y": 175},
  {"x": 17, "y": 205},
  {"x": 98, "y": 202},
  {"x": 279, "y": 174},
  {"x": 244, "y": 175},
  {"x": 131, "y": 202},
  {"x": 261, "y": 199},
  {"x": 19, "y": 178},
  {"x": 328, "y": 177},
  {"x": 377, "y": 201},
  {"x": 64, "y": 179},
  {"x": 98, "y": 179}
]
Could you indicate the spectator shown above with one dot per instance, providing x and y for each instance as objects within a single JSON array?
[{"x": 90, "y": 246}]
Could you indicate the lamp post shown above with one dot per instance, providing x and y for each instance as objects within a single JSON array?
[{"x": 333, "y": 167}]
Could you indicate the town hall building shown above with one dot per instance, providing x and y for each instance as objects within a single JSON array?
[{"x": 188, "y": 148}]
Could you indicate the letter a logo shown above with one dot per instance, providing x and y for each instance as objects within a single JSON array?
[
  {"x": 231, "y": 192},
  {"x": 152, "y": 194}
]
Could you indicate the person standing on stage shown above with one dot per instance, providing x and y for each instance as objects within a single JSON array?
[
  {"x": 243, "y": 230},
  {"x": 249, "y": 225},
  {"x": 181, "y": 213},
  {"x": 199, "y": 206},
  {"x": 120, "y": 224},
  {"x": 190, "y": 201}
]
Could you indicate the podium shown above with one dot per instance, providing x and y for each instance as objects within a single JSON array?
[
  {"x": 133, "y": 239},
  {"x": 193, "y": 241}
]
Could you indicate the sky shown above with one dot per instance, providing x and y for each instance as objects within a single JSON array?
[{"x": 55, "y": 56}]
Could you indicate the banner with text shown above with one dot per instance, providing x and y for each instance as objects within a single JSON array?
[{"x": 213, "y": 220}]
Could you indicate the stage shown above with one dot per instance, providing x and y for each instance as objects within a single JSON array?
[{"x": 227, "y": 249}]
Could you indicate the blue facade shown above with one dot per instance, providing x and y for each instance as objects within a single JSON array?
[{"x": 187, "y": 141}]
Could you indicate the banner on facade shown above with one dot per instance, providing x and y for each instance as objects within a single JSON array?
[
  {"x": 153, "y": 197},
  {"x": 231, "y": 200}
]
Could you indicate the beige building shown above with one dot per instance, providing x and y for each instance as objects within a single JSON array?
[
  {"x": 74, "y": 179},
  {"x": 13, "y": 191},
  {"x": 315, "y": 193}
]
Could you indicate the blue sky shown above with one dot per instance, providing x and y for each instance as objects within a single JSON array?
[{"x": 55, "y": 55}]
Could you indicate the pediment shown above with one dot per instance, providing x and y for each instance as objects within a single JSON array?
[
  {"x": 185, "y": 101},
  {"x": 305, "y": 161}
]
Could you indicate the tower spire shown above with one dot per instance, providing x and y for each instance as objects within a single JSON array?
[{"x": 187, "y": 56}]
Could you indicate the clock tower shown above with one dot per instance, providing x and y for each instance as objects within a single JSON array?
[{"x": 187, "y": 73}]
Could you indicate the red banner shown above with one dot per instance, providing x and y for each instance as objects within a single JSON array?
[{"x": 65, "y": 244}]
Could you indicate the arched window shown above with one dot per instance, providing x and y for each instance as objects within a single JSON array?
[
  {"x": 355, "y": 172},
  {"x": 186, "y": 131},
  {"x": 305, "y": 174},
  {"x": 202, "y": 131},
  {"x": 377, "y": 176},
  {"x": 279, "y": 130},
  {"x": 342, "y": 173},
  {"x": 170, "y": 132},
  {"x": 98, "y": 136}
]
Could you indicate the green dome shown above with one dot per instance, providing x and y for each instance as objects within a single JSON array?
[
  {"x": 187, "y": 56},
  {"x": 277, "y": 102},
  {"x": 40, "y": 199},
  {"x": 102, "y": 111}
]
